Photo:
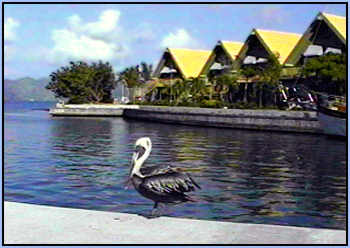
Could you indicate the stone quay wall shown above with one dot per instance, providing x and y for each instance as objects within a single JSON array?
[
  {"x": 269, "y": 120},
  {"x": 273, "y": 120}
]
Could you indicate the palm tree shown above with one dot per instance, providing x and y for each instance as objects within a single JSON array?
[
  {"x": 198, "y": 89},
  {"x": 182, "y": 91},
  {"x": 136, "y": 76},
  {"x": 248, "y": 73},
  {"x": 226, "y": 84},
  {"x": 146, "y": 71},
  {"x": 270, "y": 76},
  {"x": 130, "y": 77}
]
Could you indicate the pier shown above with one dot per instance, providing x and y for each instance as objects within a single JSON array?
[
  {"x": 37, "y": 224},
  {"x": 104, "y": 110},
  {"x": 269, "y": 120}
]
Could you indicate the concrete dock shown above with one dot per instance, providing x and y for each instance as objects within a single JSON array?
[
  {"x": 103, "y": 110},
  {"x": 269, "y": 120},
  {"x": 37, "y": 224}
]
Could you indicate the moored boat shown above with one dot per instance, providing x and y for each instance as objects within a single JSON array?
[{"x": 332, "y": 115}]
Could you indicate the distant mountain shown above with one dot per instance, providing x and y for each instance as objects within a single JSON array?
[{"x": 27, "y": 89}]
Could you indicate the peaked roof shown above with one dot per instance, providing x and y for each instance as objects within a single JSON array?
[
  {"x": 189, "y": 61},
  {"x": 232, "y": 48},
  {"x": 276, "y": 42},
  {"x": 336, "y": 23}
]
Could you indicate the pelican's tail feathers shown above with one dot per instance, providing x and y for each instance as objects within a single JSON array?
[
  {"x": 194, "y": 182},
  {"x": 193, "y": 198}
]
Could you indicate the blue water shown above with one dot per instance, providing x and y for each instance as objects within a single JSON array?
[{"x": 246, "y": 176}]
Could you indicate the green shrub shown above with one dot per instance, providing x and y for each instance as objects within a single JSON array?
[{"x": 211, "y": 104}]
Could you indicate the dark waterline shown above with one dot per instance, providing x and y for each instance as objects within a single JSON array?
[{"x": 246, "y": 176}]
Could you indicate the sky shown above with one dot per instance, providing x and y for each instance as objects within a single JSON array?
[{"x": 40, "y": 38}]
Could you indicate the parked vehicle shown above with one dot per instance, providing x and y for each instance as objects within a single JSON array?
[
  {"x": 296, "y": 97},
  {"x": 125, "y": 100}
]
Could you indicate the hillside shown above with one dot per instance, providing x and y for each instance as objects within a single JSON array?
[{"x": 27, "y": 89}]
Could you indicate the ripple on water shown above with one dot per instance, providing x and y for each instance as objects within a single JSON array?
[{"x": 246, "y": 176}]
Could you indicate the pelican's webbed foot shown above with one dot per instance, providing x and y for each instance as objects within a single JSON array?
[{"x": 155, "y": 211}]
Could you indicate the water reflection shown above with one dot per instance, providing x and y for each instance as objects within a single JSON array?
[
  {"x": 87, "y": 137},
  {"x": 87, "y": 152}
]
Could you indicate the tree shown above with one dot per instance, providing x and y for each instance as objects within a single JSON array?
[
  {"x": 182, "y": 91},
  {"x": 146, "y": 71},
  {"x": 328, "y": 69},
  {"x": 248, "y": 73},
  {"x": 272, "y": 73},
  {"x": 135, "y": 77},
  {"x": 270, "y": 76},
  {"x": 130, "y": 77},
  {"x": 83, "y": 83},
  {"x": 226, "y": 84},
  {"x": 198, "y": 89}
]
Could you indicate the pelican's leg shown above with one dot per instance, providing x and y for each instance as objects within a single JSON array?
[
  {"x": 154, "y": 210},
  {"x": 162, "y": 206}
]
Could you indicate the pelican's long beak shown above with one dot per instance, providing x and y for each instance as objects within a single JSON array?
[
  {"x": 139, "y": 151},
  {"x": 127, "y": 183}
]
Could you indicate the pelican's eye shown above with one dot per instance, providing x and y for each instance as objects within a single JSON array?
[{"x": 140, "y": 150}]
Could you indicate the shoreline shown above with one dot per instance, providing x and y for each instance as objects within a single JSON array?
[
  {"x": 267, "y": 120},
  {"x": 38, "y": 224}
]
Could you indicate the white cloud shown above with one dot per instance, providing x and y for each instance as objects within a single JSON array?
[
  {"x": 107, "y": 23},
  {"x": 76, "y": 46},
  {"x": 100, "y": 40},
  {"x": 10, "y": 27},
  {"x": 179, "y": 39}
]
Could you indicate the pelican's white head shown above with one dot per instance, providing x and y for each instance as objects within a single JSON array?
[
  {"x": 144, "y": 142},
  {"x": 143, "y": 147}
]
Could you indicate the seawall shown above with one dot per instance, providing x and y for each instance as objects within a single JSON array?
[
  {"x": 37, "y": 224},
  {"x": 270, "y": 120},
  {"x": 103, "y": 110}
]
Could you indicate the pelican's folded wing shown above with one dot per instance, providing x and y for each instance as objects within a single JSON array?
[
  {"x": 153, "y": 170},
  {"x": 170, "y": 182}
]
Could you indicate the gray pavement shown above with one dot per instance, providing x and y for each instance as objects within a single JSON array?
[{"x": 37, "y": 224}]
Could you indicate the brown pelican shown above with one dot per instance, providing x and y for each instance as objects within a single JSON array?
[{"x": 161, "y": 185}]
